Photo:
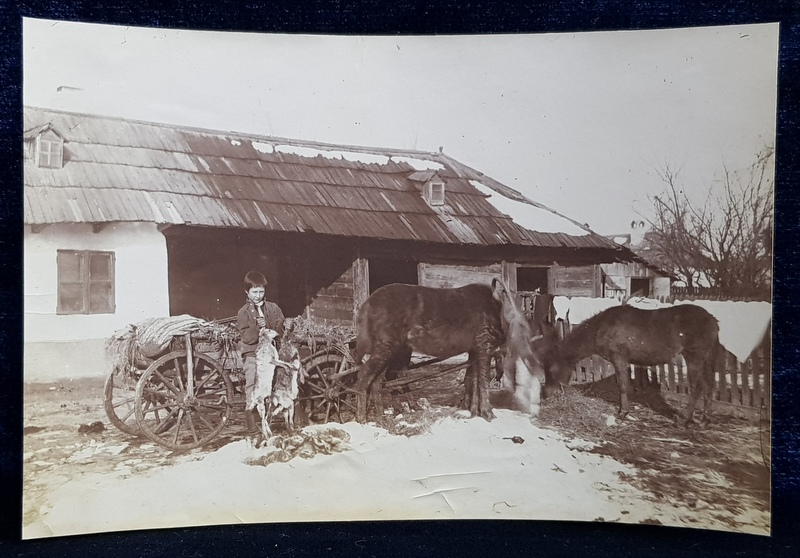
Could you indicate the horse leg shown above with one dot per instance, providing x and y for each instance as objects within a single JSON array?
[
  {"x": 469, "y": 388},
  {"x": 484, "y": 406},
  {"x": 695, "y": 386},
  {"x": 377, "y": 363},
  {"x": 622, "y": 369},
  {"x": 698, "y": 383}
]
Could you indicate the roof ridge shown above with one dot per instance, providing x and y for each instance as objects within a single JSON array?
[
  {"x": 522, "y": 197},
  {"x": 387, "y": 151}
]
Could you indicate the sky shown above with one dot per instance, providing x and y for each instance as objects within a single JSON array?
[{"x": 580, "y": 122}]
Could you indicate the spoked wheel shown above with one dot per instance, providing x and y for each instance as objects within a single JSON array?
[
  {"x": 327, "y": 394},
  {"x": 175, "y": 416},
  {"x": 119, "y": 400}
]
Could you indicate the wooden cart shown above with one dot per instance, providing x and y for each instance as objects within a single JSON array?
[{"x": 183, "y": 399}]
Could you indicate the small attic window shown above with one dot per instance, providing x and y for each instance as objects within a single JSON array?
[
  {"x": 49, "y": 150},
  {"x": 433, "y": 191}
]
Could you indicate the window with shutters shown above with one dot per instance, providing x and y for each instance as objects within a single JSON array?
[{"x": 85, "y": 282}]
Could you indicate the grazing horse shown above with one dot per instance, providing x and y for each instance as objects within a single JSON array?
[
  {"x": 397, "y": 319},
  {"x": 625, "y": 335}
]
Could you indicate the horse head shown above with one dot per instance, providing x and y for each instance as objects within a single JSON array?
[{"x": 547, "y": 348}]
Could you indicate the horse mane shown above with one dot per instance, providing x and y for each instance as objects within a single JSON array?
[{"x": 580, "y": 342}]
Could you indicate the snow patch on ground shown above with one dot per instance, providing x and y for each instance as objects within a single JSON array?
[{"x": 462, "y": 468}]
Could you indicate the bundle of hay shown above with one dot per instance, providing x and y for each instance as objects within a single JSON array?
[
  {"x": 137, "y": 345},
  {"x": 318, "y": 335},
  {"x": 303, "y": 444}
]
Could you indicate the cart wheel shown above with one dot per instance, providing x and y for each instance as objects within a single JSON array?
[
  {"x": 169, "y": 416},
  {"x": 323, "y": 398},
  {"x": 119, "y": 397}
]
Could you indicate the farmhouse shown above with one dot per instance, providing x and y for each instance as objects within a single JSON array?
[{"x": 127, "y": 220}]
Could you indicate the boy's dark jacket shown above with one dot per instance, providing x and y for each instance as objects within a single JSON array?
[{"x": 247, "y": 323}]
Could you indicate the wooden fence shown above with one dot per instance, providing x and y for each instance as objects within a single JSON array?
[{"x": 738, "y": 386}]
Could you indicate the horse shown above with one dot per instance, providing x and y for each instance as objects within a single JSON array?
[
  {"x": 625, "y": 335},
  {"x": 397, "y": 319}
]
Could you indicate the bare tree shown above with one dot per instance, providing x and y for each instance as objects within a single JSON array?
[{"x": 725, "y": 243}]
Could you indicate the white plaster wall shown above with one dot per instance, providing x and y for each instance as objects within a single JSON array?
[
  {"x": 661, "y": 286},
  {"x": 141, "y": 279}
]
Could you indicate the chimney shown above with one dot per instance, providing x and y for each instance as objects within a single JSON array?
[{"x": 638, "y": 229}]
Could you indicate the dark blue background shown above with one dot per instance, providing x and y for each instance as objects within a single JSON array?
[{"x": 500, "y": 538}]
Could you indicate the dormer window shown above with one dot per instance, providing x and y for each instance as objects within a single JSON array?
[
  {"x": 432, "y": 186},
  {"x": 433, "y": 191},
  {"x": 49, "y": 150}
]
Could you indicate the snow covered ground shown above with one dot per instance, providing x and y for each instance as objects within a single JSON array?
[{"x": 462, "y": 468}]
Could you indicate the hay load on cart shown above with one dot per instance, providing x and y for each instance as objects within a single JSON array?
[{"x": 170, "y": 379}]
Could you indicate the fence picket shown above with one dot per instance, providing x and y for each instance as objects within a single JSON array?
[
  {"x": 723, "y": 393},
  {"x": 758, "y": 377},
  {"x": 671, "y": 377},
  {"x": 747, "y": 375}
]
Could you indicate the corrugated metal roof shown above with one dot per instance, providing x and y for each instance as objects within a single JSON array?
[{"x": 118, "y": 170}]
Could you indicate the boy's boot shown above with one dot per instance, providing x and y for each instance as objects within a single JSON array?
[{"x": 250, "y": 421}]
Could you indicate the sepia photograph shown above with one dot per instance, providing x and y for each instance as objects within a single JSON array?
[{"x": 280, "y": 278}]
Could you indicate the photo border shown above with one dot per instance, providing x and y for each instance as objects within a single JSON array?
[{"x": 414, "y": 538}]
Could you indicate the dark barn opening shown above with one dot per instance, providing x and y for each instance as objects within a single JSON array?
[
  {"x": 640, "y": 286},
  {"x": 384, "y": 271},
  {"x": 529, "y": 279}
]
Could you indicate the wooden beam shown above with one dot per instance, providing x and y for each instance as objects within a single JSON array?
[
  {"x": 36, "y": 229},
  {"x": 97, "y": 227},
  {"x": 508, "y": 274},
  {"x": 360, "y": 284}
]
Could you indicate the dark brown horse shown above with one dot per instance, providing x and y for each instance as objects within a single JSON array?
[
  {"x": 398, "y": 319},
  {"x": 625, "y": 335}
]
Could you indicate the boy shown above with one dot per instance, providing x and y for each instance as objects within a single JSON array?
[{"x": 256, "y": 313}]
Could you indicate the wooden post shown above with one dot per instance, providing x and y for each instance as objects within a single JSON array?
[
  {"x": 736, "y": 392},
  {"x": 758, "y": 375},
  {"x": 597, "y": 279},
  {"x": 360, "y": 284},
  {"x": 508, "y": 274}
]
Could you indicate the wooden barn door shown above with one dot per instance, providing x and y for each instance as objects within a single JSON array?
[{"x": 583, "y": 280}]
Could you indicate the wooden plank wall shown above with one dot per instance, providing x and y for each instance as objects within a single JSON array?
[
  {"x": 575, "y": 280},
  {"x": 449, "y": 276},
  {"x": 334, "y": 303}
]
